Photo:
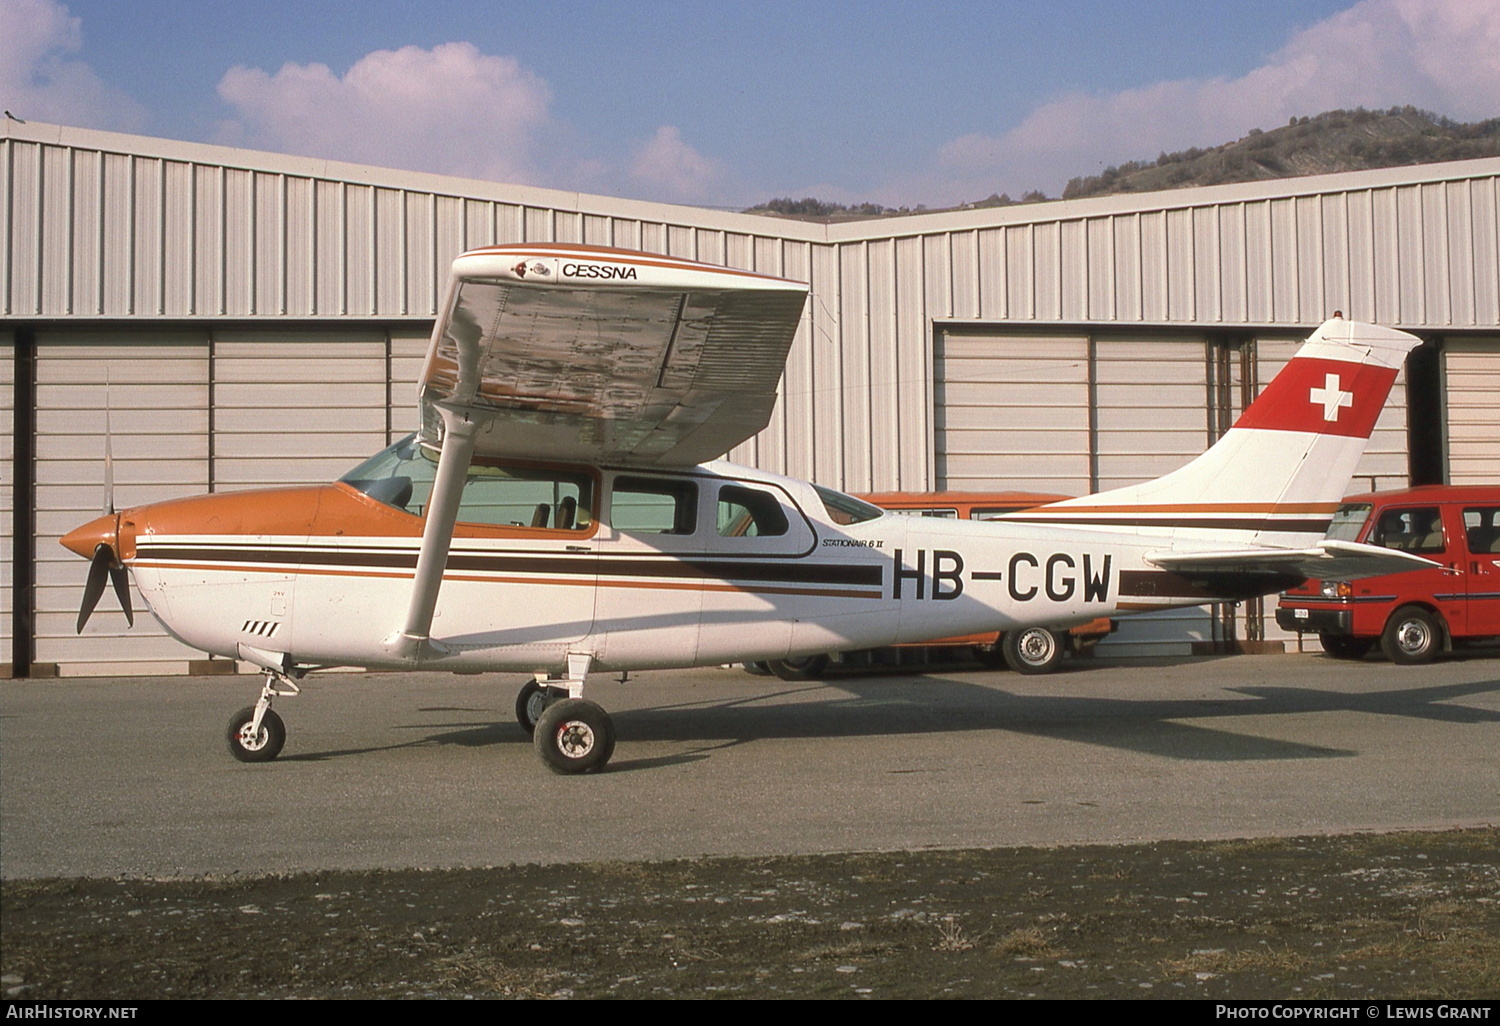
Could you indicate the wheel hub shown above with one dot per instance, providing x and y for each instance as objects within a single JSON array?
[
  {"x": 1035, "y": 647},
  {"x": 575, "y": 739},
  {"x": 1412, "y": 637},
  {"x": 253, "y": 742}
]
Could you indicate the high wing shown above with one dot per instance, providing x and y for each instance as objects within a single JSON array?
[
  {"x": 591, "y": 355},
  {"x": 1328, "y": 560},
  {"x": 600, "y": 355}
]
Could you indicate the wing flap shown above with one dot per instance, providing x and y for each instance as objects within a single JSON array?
[{"x": 1328, "y": 560}]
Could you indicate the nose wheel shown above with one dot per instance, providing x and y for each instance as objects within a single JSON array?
[{"x": 256, "y": 733}]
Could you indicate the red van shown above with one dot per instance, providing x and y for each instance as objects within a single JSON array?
[
  {"x": 1029, "y": 650},
  {"x": 1412, "y": 615}
]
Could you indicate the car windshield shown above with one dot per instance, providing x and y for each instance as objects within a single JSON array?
[{"x": 1349, "y": 521}]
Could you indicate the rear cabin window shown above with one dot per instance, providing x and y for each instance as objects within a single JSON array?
[
  {"x": 1417, "y": 529},
  {"x": 648, "y": 505},
  {"x": 747, "y": 513},
  {"x": 846, "y": 509}
]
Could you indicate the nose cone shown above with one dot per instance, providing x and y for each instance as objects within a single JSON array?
[{"x": 103, "y": 531}]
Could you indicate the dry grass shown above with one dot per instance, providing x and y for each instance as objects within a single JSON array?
[
  {"x": 1026, "y": 942},
  {"x": 469, "y": 971}
]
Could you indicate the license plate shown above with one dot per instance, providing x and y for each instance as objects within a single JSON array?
[{"x": 1299, "y": 614}]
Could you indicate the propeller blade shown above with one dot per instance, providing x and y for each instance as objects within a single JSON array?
[
  {"x": 99, "y": 568},
  {"x": 121, "y": 581}
]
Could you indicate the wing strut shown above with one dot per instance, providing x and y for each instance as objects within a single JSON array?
[{"x": 413, "y": 642}]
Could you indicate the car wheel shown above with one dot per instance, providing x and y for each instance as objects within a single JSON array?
[{"x": 1411, "y": 636}]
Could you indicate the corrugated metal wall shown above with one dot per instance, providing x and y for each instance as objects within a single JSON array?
[{"x": 120, "y": 227}]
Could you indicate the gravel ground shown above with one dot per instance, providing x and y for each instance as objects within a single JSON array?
[{"x": 1405, "y": 915}]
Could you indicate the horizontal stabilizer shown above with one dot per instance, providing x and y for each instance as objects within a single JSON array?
[{"x": 1328, "y": 560}]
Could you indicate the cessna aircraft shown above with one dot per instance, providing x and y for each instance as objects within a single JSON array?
[{"x": 562, "y": 510}]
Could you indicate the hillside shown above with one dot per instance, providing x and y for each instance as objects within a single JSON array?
[{"x": 1338, "y": 140}]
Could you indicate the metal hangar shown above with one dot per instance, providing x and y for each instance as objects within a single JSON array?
[{"x": 259, "y": 319}]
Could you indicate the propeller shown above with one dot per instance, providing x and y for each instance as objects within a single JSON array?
[
  {"x": 105, "y": 564},
  {"x": 106, "y": 561}
]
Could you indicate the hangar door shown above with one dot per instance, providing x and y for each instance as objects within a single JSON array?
[
  {"x": 190, "y": 411},
  {"x": 1075, "y": 414},
  {"x": 1471, "y": 373}
]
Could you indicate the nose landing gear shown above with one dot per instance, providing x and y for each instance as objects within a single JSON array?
[{"x": 256, "y": 733}]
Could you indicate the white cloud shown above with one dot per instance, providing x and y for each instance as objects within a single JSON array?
[
  {"x": 450, "y": 109},
  {"x": 670, "y": 169},
  {"x": 39, "y": 81},
  {"x": 1442, "y": 55}
]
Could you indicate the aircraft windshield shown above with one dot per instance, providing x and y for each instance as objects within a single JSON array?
[
  {"x": 400, "y": 476},
  {"x": 846, "y": 509}
]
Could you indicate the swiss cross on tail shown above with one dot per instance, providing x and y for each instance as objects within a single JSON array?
[{"x": 1328, "y": 397}]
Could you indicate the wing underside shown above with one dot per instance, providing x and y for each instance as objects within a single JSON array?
[
  {"x": 670, "y": 366},
  {"x": 1328, "y": 560}
]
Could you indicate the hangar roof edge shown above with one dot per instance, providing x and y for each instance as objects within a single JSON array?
[{"x": 750, "y": 224}]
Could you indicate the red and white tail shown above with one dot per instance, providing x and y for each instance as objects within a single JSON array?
[{"x": 1278, "y": 473}]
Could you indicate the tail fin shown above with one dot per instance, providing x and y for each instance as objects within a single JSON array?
[{"x": 1278, "y": 473}]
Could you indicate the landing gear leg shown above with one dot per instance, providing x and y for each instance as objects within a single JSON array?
[
  {"x": 256, "y": 733},
  {"x": 573, "y": 735}
]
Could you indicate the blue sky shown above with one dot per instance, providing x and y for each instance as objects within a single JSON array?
[{"x": 728, "y": 104}]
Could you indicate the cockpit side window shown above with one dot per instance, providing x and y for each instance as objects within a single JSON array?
[
  {"x": 526, "y": 497},
  {"x": 401, "y": 477}
]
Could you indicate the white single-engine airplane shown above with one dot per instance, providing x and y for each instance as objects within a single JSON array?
[{"x": 562, "y": 510}]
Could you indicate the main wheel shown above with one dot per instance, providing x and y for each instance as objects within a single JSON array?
[
  {"x": 574, "y": 736},
  {"x": 262, "y": 746},
  {"x": 799, "y": 667},
  {"x": 1032, "y": 650},
  {"x": 1341, "y": 646},
  {"x": 533, "y": 701},
  {"x": 1411, "y": 636}
]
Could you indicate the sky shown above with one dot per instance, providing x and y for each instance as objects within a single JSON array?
[{"x": 731, "y": 103}]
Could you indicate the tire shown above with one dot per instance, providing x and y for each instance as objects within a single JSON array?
[
  {"x": 1032, "y": 650},
  {"x": 532, "y": 701},
  {"x": 265, "y": 746},
  {"x": 1341, "y": 646},
  {"x": 574, "y": 736},
  {"x": 1411, "y": 636},
  {"x": 757, "y": 669},
  {"x": 799, "y": 667}
]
